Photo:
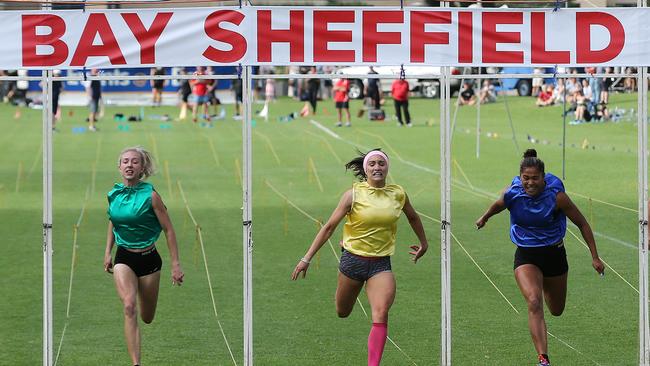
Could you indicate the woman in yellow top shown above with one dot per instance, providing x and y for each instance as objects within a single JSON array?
[{"x": 372, "y": 208}]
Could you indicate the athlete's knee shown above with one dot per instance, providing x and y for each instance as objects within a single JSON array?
[
  {"x": 380, "y": 314},
  {"x": 535, "y": 304},
  {"x": 129, "y": 309}
]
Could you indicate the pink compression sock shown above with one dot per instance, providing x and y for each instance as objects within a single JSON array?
[{"x": 376, "y": 343}]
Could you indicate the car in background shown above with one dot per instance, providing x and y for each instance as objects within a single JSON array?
[
  {"x": 523, "y": 85},
  {"x": 418, "y": 78}
]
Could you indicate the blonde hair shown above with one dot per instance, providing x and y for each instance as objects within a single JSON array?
[{"x": 148, "y": 166}]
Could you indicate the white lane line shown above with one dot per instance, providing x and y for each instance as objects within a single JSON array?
[{"x": 207, "y": 271}]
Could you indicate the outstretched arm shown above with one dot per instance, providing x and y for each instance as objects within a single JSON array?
[
  {"x": 418, "y": 229},
  {"x": 496, "y": 207},
  {"x": 567, "y": 206},
  {"x": 323, "y": 234},
  {"x": 110, "y": 241},
  {"x": 166, "y": 223}
]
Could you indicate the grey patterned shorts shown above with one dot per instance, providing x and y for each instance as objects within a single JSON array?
[{"x": 361, "y": 268}]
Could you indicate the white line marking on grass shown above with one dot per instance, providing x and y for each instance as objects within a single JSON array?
[
  {"x": 214, "y": 151},
  {"x": 94, "y": 166},
  {"x": 604, "y": 202},
  {"x": 327, "y": 144},
  {"x": 335, "y": 255},
  {"x": 58, "y": 351},
  {"x": 608, "y": 266},
  {"x": 381, "y": 138},
  {"x": 573, "y": 348},
  {"x": 269, "y": 144},
  {"x": 618, "y": 241},
  {"x": 154, "y": 144},
  {"x": 207, "y": 271},
  {"x": 37, "y": 158},
  {"x": 19, "y": 175},
  {"x": 325, "y": 129},
  {"x": 463, "y": 173},
  {"x": 238, "y": 172},
  {"x": 168, "y": 179},
  {"x": 473, "y": 261},
  {"x": 312, "y": 167},
  {"x": 73, "y": 260}
]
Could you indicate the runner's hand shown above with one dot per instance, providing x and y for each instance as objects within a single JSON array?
[
  {"x": 300, "y": 267},
  {"x": 418, "y": 251}
]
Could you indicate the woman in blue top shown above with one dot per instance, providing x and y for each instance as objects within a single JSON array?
[
  {"x": 137, "y": 215},
  {"x": 538, "y": 209}
]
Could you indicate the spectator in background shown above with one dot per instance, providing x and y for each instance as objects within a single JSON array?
[
  {"x": 400, "y": 92},
  {"x": 10, "y": 86},
  {"x": 467, "y": 96},
  {"x": 587, "y": 91},
  {"x": 185, "y": 90},
  {"x": 545, "y": 97},
  {"x": 558, "y": 91},
  {"x": 200, "y": 89},
  {"x": 602, "y": 113},
  {"x": 157, "y": 86},
  {"x": 327, "y": 83},
  {"x": 311, "y": 90},
  {"x": 487, "y": 93},
  {"x": 571, "y": 85},
  {"x": 607, "y": 85},
  {"x": 213, "y": 100},
  {"x": 57, "y": 86},
  {"x": 238, "y": 89},
  {"x": 342, "y": 101},
  {"x": 582, "y": 113},
  {"x": 293, "y": 87},
  {"x": 538, "y": 82},
  {"x": 595, "y": 83},
  {"x": 373, "y": 92},
  {"x": 629, "y": 83},
  {"x": 94, "y": 91}
]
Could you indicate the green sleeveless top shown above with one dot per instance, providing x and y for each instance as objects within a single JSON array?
[{"x": 135, "y": 224}]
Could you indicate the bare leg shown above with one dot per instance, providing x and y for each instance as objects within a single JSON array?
[
  {"x": 148, "y": 296},
  {"x": 380, "y": 290},
  {"x": 531, "y": 281},
  {"x": 347, "y": 291},
  {"x": 555, "y": 293},
  {"x": 126, "y": 283}
]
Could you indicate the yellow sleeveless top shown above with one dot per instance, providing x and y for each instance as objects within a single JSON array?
[{"x": 371, "y": 224}]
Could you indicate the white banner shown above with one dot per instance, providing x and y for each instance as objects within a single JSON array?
[{"x": 326, "y": 35}]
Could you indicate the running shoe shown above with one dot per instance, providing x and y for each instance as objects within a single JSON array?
[{"x": 543, "y": 361}]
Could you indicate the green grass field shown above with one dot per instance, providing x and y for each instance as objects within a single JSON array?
[{"x": 298, "y": 178}]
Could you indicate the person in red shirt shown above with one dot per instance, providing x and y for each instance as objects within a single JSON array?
[
  {"x": 545, "y": 97},
  {"x": 200, "y": 89},
  {"x": 400, "y": 93},
  {"x": 341, "y": 88}
]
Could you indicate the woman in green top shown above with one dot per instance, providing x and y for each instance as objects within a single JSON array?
[{"x": 137, "y": 215}]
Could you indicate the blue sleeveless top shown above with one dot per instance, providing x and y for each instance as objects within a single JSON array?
[
  {"x": 135, "y": 224},
  {"x": 535, "y": 221}
]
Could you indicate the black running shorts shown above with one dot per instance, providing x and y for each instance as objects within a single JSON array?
[
  {"x": 361, "y": 268},
  {"x": 551, "y": 260},
  {"x": 142, "y": 263}
]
